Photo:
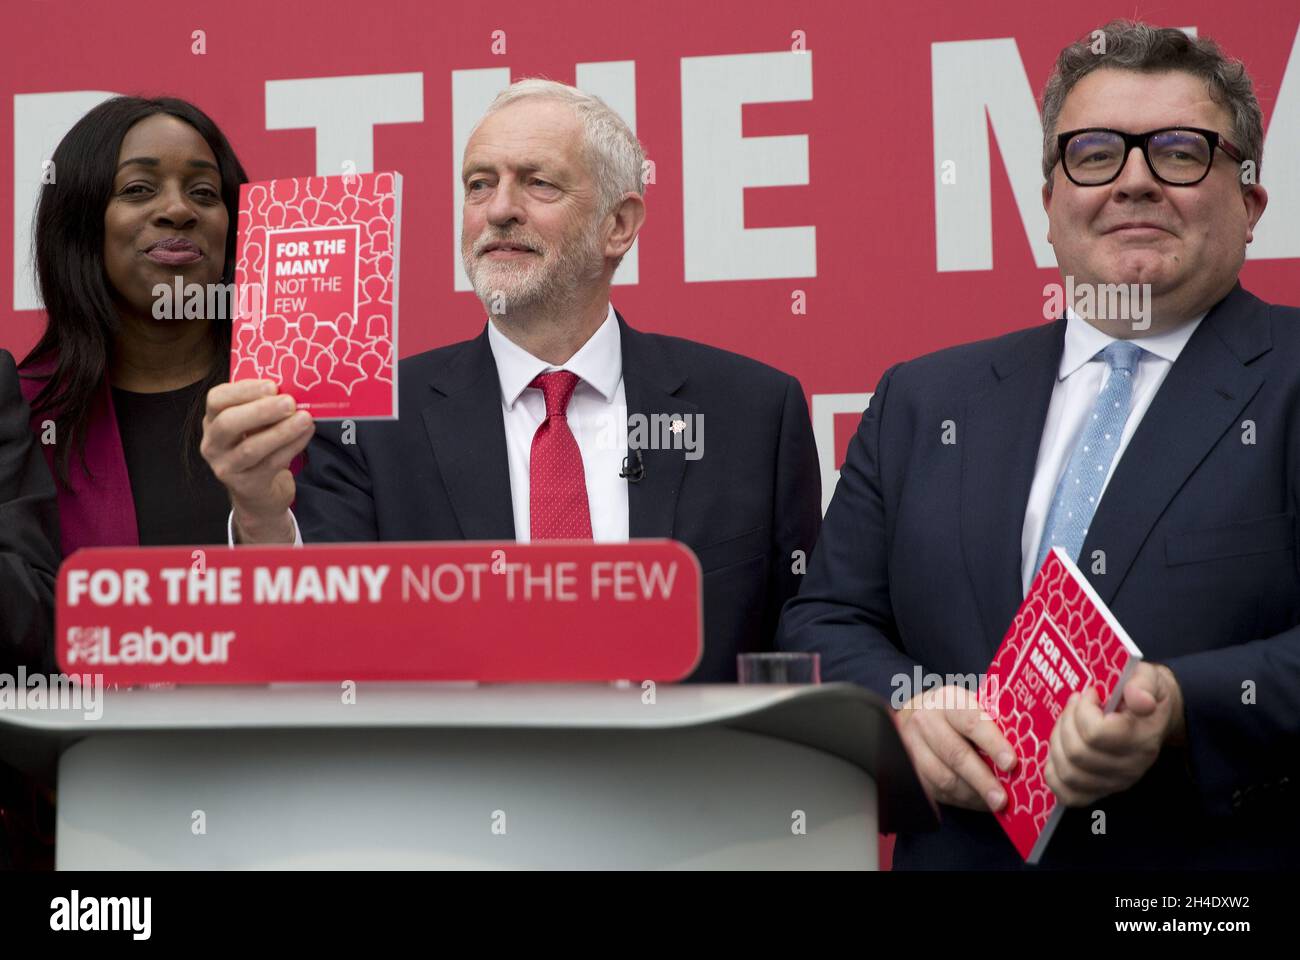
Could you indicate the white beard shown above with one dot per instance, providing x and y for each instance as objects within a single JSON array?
[{"x": 544, "y": 280}]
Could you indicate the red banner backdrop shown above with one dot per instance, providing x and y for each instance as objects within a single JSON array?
[{"x": 797, "y": 213}]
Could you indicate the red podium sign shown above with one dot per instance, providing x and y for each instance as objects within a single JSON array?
[{"x": 496, "y": 612}]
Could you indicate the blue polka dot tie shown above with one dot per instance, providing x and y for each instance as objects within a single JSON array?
[{"x": 1077, "y": 494}]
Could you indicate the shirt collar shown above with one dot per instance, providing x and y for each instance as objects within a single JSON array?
[
  {"x": 1083, "y": 341},
  {"x": 598, "y": 362}
]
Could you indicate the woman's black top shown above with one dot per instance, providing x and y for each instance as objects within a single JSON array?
[{"x": 177, "y": 498}]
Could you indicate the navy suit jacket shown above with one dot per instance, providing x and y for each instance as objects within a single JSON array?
[
  {"x": 440, "y": 473},
  {"x": 919, "y": 564}
]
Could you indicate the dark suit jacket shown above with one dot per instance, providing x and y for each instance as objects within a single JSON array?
[
  {"x": 919, "y": 563},
  {"x": 29, "y": 562},
  {"x": 440, "y": 473},
  {"x": 29, "y": 559}
]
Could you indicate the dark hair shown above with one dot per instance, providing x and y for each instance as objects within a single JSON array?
[
  {"x": 1137, "y": 46},
  {"x": 70, "y": 271}
]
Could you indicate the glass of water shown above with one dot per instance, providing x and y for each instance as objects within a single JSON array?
[{"x": 779, "y": 668}]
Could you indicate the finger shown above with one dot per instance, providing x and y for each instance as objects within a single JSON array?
[
  {"x": 944, "y": 785},
  {"x": 281, "y": 458},
  {"x": 1083, "y": 713},
  {"x": 1078, "y": 753},
  {"x": 1143, "y": 692},
  {"x": 978, "y": 727},
  {"x": 225, "y": 395},
  {"x": 256, "y": 447},
  {"x": 945, "y": 698},
  {"x": 959, "y": 756},
  {"x": 1053, "y": 780},
  {"x": 1068, "y": 787},
  {"x": 1078, "y": 776},
  {"x": 965, "y": 715},
  {"x": 1109, "y": 733},
  {"x": 228, "y": 427},
  {"x": 1080, "y": 786}
]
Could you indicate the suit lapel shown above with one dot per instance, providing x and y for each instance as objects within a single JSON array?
[
  {"x": 1003, "y": 427},
  {"x": 467, "y": 430},
  {"x": 1201, "y": 397},
  {"x": 650, "y": 381}
]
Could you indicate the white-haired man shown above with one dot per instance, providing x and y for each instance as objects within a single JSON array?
[{"x": 545, "y": 425}]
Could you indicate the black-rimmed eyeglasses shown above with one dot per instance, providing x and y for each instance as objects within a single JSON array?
[{"x": 1178, "y": 156}]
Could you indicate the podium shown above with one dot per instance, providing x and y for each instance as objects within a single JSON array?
[{"x": 421, "y": 775}]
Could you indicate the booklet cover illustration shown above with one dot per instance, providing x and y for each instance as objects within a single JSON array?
[
  {"x": 316, "y": 279},
  {"x": 1063, "y": 640}
]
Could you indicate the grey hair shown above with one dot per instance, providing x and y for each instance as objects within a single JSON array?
[
  {"x": 1131, "y": 45},
  {"x": 612, "y": 149}
]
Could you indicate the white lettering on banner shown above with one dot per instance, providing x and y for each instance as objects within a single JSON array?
[
  {"x": 344, "y": 112},
  {"x": 553, "y": 581},
  {"x": 975, "y": 83},
  {"x": 208, "y": 586},
  {"x": 472, "y": 91},
  {"x": 978, "y": 82},
  {"x": 108, "y": 588},
  {"x": 631, "y": 580},
  {"x": 614, "y": 81},
  {"x": 299, "y": 585},
  {"x": 41, "y": 120},
  {"x": 538, "y": 582},
  {"x": 825, "y": 406},
  {"x": 1278, "y": 234},
  {"x": 96, "y": 646},
  {"x": 718, "y": 163},
  {"x": 445, "y": 583}
]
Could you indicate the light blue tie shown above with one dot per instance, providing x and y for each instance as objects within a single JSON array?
[{"x": 1077, "y": 494}]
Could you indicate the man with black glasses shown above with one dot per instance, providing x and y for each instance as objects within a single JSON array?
[{"x": 1155, "y": 437}]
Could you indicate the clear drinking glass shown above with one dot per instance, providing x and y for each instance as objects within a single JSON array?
[{"x": 779, "y": 667}]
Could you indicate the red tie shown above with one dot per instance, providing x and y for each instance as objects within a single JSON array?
[{"x": 557, "y": 492}]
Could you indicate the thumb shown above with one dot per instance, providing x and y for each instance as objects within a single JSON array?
[{"x": 1144, "y": 691}]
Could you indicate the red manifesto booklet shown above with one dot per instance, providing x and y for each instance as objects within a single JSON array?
[
  {"x": 1062, "y": 640},
  {"x": 316, "y": 291}
]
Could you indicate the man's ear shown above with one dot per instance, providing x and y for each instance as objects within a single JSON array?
[
  {"x": 1047, "y": 206},
  {"x": 1255, "y": 198},
  {"x": 628, "y": 217}
]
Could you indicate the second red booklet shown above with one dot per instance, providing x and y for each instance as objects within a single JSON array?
[
  {"x": 1063, "y": 640},
  {"x": 316, "y": 279}
]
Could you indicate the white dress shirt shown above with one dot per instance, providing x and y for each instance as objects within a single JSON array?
[
  {"x": 1081, "y": 377},
  {"x": 597, "y": 417}
]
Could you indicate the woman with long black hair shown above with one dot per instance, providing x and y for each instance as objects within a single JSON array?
[{"x": 145, "y": 191}]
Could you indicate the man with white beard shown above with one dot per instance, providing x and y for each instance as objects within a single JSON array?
[{"x": 559, "y": 421}]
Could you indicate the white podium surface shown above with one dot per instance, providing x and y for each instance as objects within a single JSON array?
[{"x": 425, "y": 775}]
